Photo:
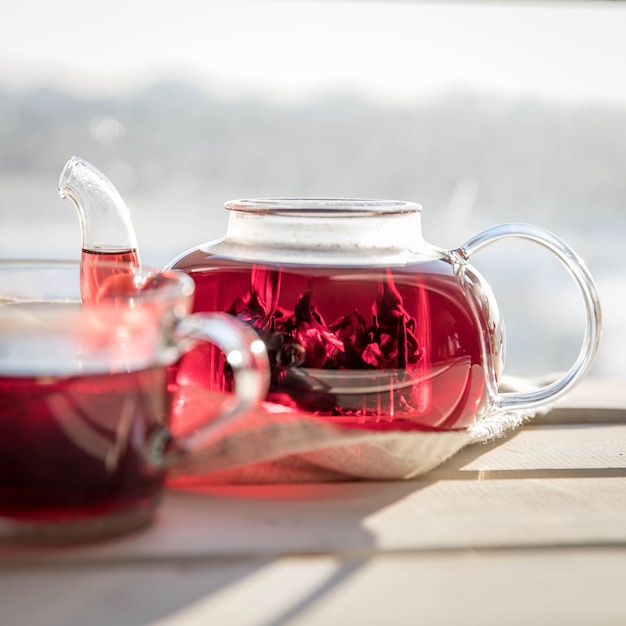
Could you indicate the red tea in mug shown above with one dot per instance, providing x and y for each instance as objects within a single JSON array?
[
  {"x": 71, "y": 446},
  {"x": 82, "y": 390}
]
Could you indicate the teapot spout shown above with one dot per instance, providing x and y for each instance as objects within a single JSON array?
[{"x": 104, "y": 218}]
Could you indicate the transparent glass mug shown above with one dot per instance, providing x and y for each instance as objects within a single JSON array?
[{"x": 86, "y": 394}]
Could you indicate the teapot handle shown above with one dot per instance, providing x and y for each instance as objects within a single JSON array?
[{"x": 577, "y": 269}]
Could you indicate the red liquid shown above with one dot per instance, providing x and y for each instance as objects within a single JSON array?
[
  {"x": 70, "y": 448},
  {"x": 371, "y": 347},
  {"x": 98, "y": 281}
]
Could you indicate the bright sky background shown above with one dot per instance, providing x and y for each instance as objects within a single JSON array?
[{"x": 291, "y": 50}]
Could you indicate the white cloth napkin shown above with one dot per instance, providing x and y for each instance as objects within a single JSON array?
[{"x": 278, "y": 445}]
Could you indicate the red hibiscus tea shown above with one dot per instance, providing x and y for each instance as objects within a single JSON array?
[
  {"x": 71, "y": 446},
  {"x": 83, "y": 394},
  {"x": 369, "y": 347},
  {"x": 102, "y": 271}
]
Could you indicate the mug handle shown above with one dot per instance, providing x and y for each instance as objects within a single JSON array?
[
  {"x": 577, "y": 269},
  {"x": 246, "y": 354}
]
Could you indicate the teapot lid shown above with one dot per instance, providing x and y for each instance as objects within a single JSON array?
[
  {"x": 336, "y": 231},
  {"x": 345, "y": 207}
]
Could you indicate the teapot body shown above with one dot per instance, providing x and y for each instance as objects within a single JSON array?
[{"x": 365, "y": 323}]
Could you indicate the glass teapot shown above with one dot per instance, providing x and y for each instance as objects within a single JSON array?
[{"x": 366, "y": 324}]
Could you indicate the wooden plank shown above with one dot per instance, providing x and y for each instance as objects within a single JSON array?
[
  {"x": 542, "y": 451},
  {"x": 573, "y": 587},
  {"x": 489, "y": 511},
  {"x": 594, "y": 400}
]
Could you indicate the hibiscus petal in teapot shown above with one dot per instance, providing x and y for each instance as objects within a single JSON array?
[{"x": 366, "y": 324}]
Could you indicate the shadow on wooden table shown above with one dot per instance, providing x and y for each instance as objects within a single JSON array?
[{"x": 204, "y": 546}]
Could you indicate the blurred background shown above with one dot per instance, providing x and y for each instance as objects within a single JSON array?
[{"x": 483, "y": 112}]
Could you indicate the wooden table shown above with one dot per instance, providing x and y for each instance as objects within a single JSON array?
[{"x": 527, "y": 530}]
